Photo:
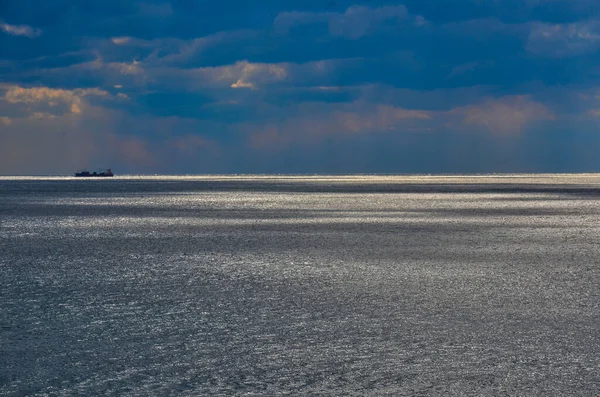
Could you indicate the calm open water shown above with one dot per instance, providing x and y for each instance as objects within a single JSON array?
[{"x": 332, "y": 286}]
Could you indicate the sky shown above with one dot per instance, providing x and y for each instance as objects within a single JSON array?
[{"x": 299, "y": 86}]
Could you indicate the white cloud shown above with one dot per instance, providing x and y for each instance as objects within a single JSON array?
[
  {"x": 18, "y": 94},
  {"x": 128, "y": 68},
  {"x": 45, "y": 102},
  {"x": 243, "y": 84},
  {"x": 251, "y": 74},
  {"x": 242, "y": 74},
  {"x": 120, "y": 40},
  {"x": 20, "y": 30}
]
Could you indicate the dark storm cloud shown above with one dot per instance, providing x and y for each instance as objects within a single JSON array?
[
  {"x": 155, "y": 80},
  {"x": 512, "y": 11}
]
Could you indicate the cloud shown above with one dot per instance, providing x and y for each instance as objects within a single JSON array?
[
  {"x": 594, "y": 112},
  {"x": 285, "y": 21},
  {"x": 130, "y": 150},
  {"x": 504, "y": 115},
  {"x": 357, "y": 20},
  {"x": 199, "y": 51},
  {"x": 189, "y": 145},
  {"x": 257, "y": 72},
  {"x": 148, "y": 76},
  {"x": 18, "y": 94},
  {"x": 128, "y": 68},
  {"x": 315, "y": 122},
  {"x": 99, "y": 137},
  {"x": 564, "y": 40},
  {"x": 468, "y": 68},
  {"x": 512, "y": 11},
  {"x": 51, "y": 145},
  {"x": 44, "y": 145},
  {"x": 292, "y": 74},
  {"x": 120, "y": 40},
  {"x": 44, "y": 116},
  {"x": 242, "y": 74},
  {"x": 45, "y": 102},
  {"x": 155, "y": 10},
  {"x": 353, "y": 23},
  {"x": 20, "y": 30}
]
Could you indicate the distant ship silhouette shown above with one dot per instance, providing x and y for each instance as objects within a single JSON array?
[{"x": 105, "y": 173}]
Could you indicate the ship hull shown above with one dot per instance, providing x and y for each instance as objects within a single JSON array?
[{"x": 102, "y": 174}]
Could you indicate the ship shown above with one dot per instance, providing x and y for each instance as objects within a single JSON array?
[{"x": 100, "y": 173}]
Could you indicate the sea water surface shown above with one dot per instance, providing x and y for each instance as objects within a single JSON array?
[{"x": 324, "y": 286}]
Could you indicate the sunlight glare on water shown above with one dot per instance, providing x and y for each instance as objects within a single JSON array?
[{"x": 326, "y": 285}]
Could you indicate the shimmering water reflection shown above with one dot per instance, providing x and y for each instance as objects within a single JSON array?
[{"x": 300, "y": 286}]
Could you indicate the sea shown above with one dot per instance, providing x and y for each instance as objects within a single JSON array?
[{"x": 355, "y": 285}]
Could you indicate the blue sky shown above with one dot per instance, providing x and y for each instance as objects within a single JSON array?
[{"x": 204, "y": 86}]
